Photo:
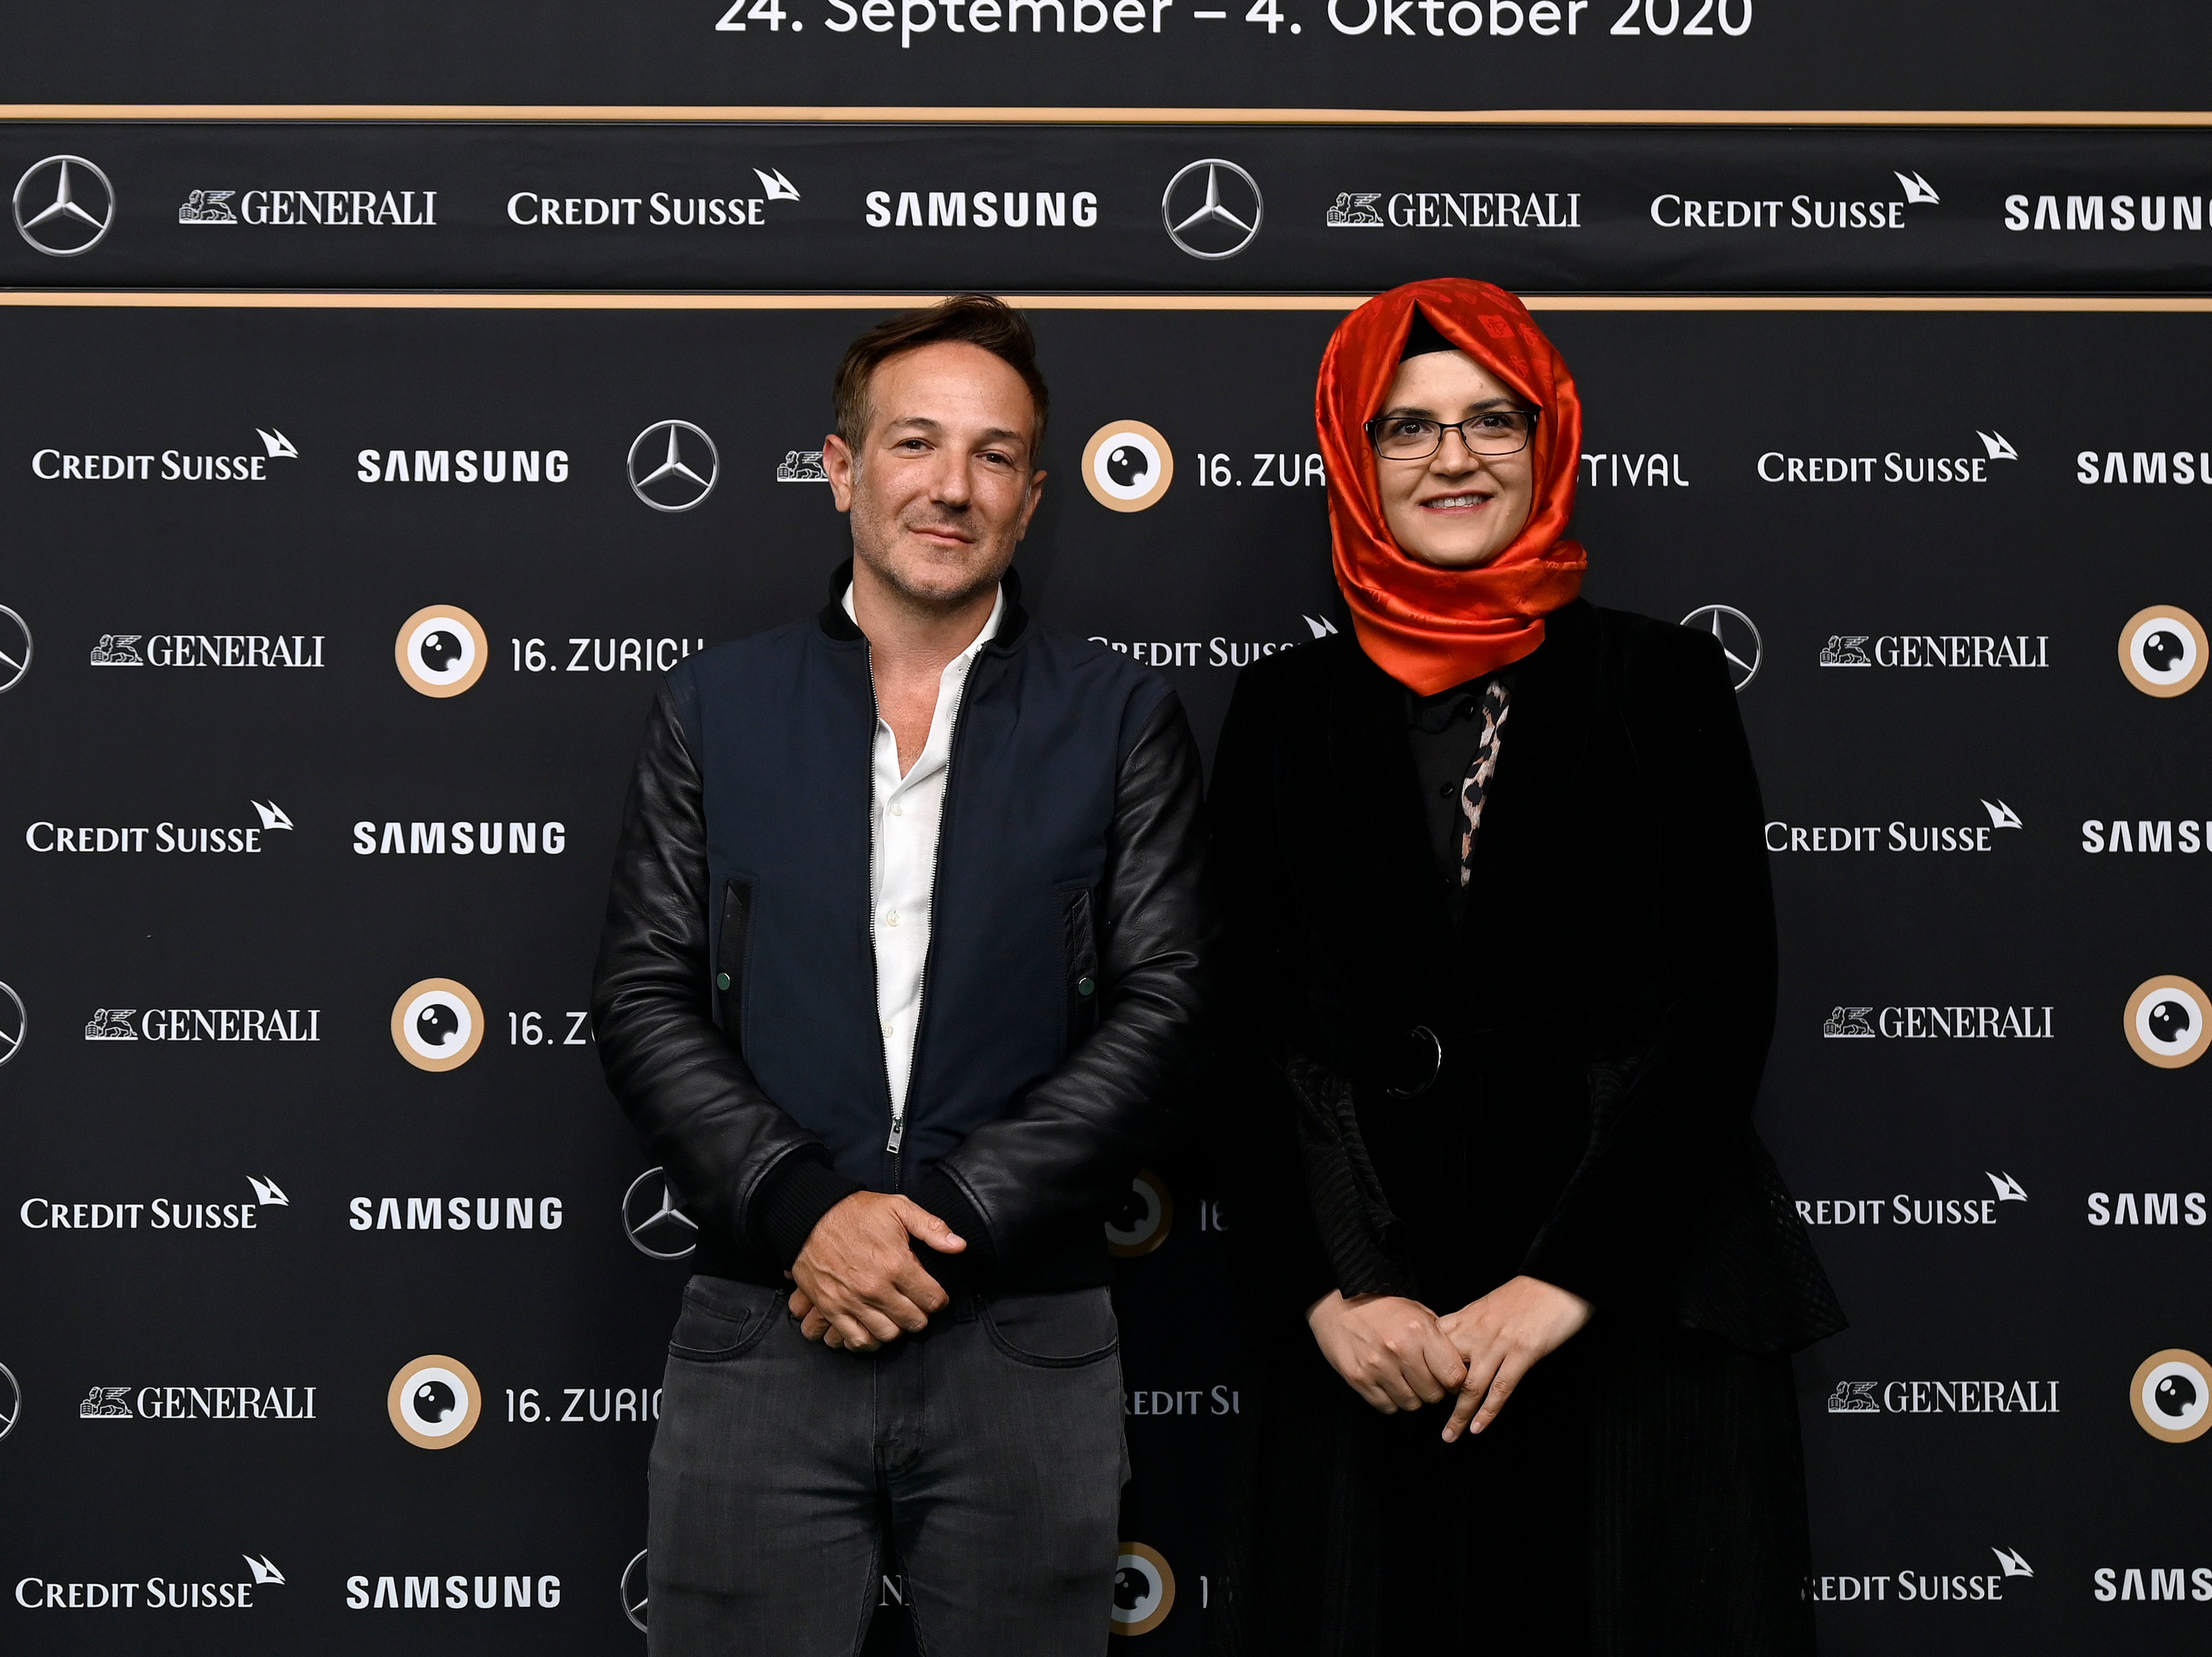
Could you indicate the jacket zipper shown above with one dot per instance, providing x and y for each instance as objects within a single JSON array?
[
  {"x": 936, "y": 850},
  {"x": 875, "y": 968}
]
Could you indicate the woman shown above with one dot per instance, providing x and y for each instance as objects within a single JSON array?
[{"x": 1501, "y": 965}]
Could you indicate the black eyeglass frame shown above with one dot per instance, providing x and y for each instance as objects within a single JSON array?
[{"x": 1375, "y": 441}]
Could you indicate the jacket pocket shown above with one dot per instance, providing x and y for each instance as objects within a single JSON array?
[
  {"x": 730, "y": 959},
  {"x": 1063, "y": 1330},
  {"x": 722, "y": 1319},
  {"x": 1079, "y": 941}
]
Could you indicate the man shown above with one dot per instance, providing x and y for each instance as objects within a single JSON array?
[{"x": 900, "y": 983}]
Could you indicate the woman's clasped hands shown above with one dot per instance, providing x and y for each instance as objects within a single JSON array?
[{"x": 1398, "y": 1356}]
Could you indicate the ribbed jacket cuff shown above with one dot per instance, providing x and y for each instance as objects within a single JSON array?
[
  {"x": 796, "y": 1194},
  {"x": 973, "y": 1267},
  {"x": 1573, "y": 1262}
]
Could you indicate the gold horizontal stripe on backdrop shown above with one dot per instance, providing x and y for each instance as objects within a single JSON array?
[
  {"x": 1130, "y": 115},
  {"x": 594, "y": 301}
]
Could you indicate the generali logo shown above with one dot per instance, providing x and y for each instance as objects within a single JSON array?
[
  {"x": 198, "y": 1404},
  {"x": 335, "y": 209},
  {"x": 1944, "y": 1398},
  {"x": 1953, "y": 1023}
]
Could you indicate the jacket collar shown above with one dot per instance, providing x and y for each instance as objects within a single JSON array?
[
  {"x": 1527, "y": 824},
  {"x": 841, "y": 627}
]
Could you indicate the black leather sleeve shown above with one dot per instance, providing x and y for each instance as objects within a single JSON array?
[
  {"x": 747, "y": 1170},
  {"x": 1062, "y": 1156}
]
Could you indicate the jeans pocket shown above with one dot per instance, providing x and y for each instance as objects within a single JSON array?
[
  {"x": 1065, "y": 1330},
  {"x": 722, "y": 1319}
]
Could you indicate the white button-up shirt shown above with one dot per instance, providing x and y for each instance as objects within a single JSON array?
[{"x": 902, "y": 870}]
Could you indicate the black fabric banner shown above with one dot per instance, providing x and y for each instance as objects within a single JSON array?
[
  {"x": 1336, "y": 54},
  {"x": 1107, "y": 208}
]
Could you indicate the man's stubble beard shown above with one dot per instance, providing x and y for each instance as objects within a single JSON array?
[{"x": 872, "y": 538}]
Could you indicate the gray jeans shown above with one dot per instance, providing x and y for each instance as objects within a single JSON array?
[{"x": 991, "y": 1444}]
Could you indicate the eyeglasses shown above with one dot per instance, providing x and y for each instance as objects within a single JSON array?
[{"x": 1494, "y": 431}]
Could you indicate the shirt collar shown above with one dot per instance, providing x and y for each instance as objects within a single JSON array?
[{"x": 990, "y": 626}]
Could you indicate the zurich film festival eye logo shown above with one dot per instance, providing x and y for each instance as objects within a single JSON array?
[
  {"x": 1144, "y": 1589},
  {"x": 1212, "y": 209},
  {"x": 434, "y": 1401},
  {"x": 653, "y": 1218},
  {"x": 1739, "y": 639},
  {"x": 14, "y": 650},
  {"x": 1140, "y": 1222},
  {"x": 1127, "y": 466},
  {"x": 64, "y": 206},
  {"x": 673, "y": 465},
  {"x": 2162, "y": 650},
  {"x": 441, "y": 650},
  {"x": 2172, "y": 1393},
  {"x": 2165, "y": 1022},
  {"x": 437, "y": 1024}
]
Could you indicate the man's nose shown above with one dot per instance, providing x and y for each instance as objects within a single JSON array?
[{"x": 950, "y": 483}]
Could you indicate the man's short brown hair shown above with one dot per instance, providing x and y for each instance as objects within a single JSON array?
[{"x": 974, "y": 319}]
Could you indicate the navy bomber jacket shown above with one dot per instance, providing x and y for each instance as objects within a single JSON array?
[{"x": 1061, "y": 1027}]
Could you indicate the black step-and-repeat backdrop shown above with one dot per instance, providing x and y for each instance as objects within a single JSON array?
[
  {"x": 1957, "y": 558},
  {"x": 1346, "y": 54},
  {"x": 328, "y": 622}
]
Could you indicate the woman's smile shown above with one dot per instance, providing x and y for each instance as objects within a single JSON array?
[{"x": 1464, "y": 503}]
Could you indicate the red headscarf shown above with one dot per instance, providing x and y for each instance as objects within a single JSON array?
[{"x": 1429, "y": 628}]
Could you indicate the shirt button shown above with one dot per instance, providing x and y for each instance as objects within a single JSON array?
[
  {"x": 721, "y": 980},
  {"x": 898, "y": 810},
  {"x": 891, "y": 918}
]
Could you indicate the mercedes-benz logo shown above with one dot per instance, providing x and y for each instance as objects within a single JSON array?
[
  {"x": 1739, "y": 639},
  {"x": 14, "y": 650},
  {"x": 14, "y": 1024},
  {"x": 666, "y": 477},
  {"x": 69, "y": 211},
  {"x": 1212, "y": 224},
  {"x": 11, "y": 1400},
  {"x": 634, "y": 1591},
  {"x": 654, "y": 1217}
]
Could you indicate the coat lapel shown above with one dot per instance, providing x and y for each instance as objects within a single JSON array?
[
  {"x": 1376, "y": 796},
  {"x": 1532, "y": 821}
]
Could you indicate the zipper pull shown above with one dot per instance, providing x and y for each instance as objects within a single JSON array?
[{"x": 898, "y": 1132}]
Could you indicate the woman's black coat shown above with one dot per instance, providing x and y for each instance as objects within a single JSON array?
[{"x": 1603, "y": 1008}]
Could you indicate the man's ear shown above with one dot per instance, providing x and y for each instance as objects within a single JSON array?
[
  {"x": 1028, "y": 512},
  {"x": 843, "y": 467}
]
